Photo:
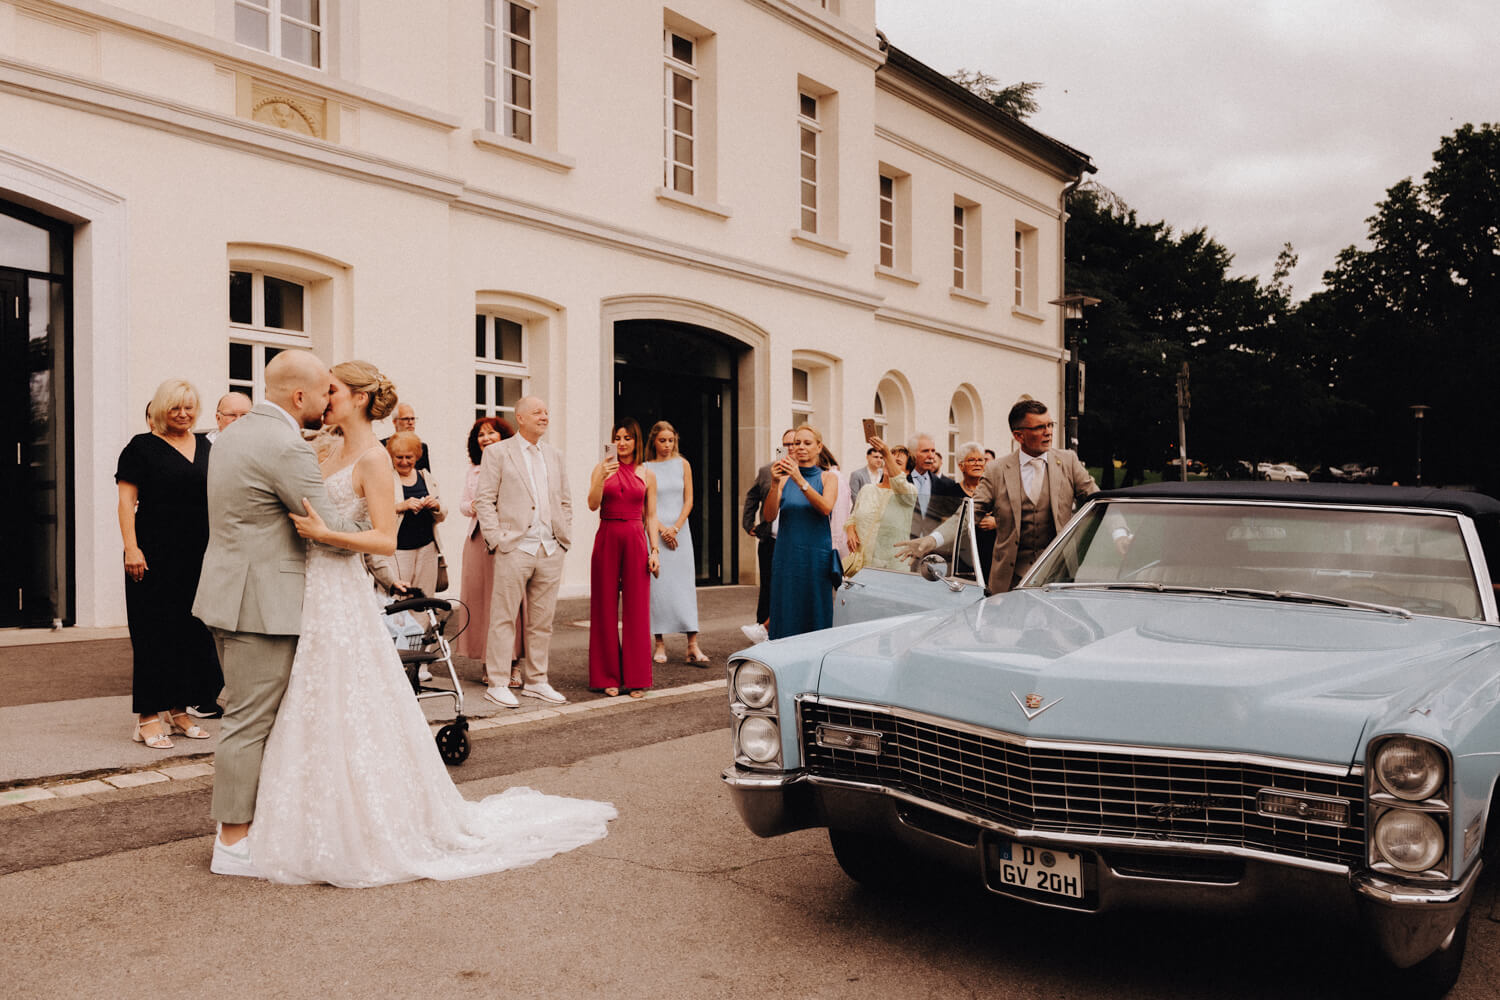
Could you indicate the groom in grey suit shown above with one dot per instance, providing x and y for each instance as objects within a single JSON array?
[{"x": 250, "y": 589}]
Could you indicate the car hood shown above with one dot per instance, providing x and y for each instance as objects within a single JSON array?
[{"x": 1252, "y": 676}]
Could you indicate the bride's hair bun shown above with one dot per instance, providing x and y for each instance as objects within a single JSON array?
[{"x": 361, "y": 376}]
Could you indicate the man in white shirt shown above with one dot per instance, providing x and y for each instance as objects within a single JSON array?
[{"x": 525, "y": 513}]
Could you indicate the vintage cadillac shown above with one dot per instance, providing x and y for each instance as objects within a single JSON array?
[{"x": 1203, "y": 694}]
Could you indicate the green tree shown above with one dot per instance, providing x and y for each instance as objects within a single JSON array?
[
  {"x": 1410, "y": 319},
  {"x": 1017, "y": 99}
]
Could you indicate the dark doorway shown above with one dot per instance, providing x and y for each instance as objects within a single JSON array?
[
  {"x": 35, "y": 545},
  {"x": 684, "y": 374}
]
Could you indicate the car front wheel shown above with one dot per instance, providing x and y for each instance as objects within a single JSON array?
[
  {"x": 876, "y": 862},
  {"x": 1435, "y": 975}
]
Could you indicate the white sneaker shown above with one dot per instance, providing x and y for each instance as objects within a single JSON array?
[
  {"x": 500, "y": 696},
  {"x": 424, "y": 675},
  {"x": 545, "y": 692},
  {"x": 233, "y": 860},
  {"x": 756, "y": 632}
]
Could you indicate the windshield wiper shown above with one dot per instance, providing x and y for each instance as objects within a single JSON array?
[{"x": 1295, "y": 596}]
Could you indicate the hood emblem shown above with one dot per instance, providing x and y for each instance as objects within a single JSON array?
[{"x": 1033, "y": 705}]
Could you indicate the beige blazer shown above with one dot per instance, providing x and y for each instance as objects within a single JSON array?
[
  {"x": 255, "y": 563},
  {"x": 504, "y": 503}
]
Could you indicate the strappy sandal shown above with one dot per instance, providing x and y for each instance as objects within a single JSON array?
[
  {"x": 192, "y": 730},
  {"x": 696, "y": 658},
  {"x": 160, "y": 741},
  {"x": 638, "y": 693},
  {"x": 612, "y": 692}
]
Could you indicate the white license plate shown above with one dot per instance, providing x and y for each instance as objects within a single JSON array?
[{"x": 1039, "y": 869}]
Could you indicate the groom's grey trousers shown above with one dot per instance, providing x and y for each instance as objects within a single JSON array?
[{"x": 256, "y": 670}]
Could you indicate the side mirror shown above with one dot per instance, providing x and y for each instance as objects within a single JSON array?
[{"x": 933, "y": 567}]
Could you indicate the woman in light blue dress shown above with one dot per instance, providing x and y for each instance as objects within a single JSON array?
[{"x": 674, "y": 594}]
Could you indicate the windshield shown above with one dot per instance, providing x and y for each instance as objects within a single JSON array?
[{"x": 1416, "y": 561}]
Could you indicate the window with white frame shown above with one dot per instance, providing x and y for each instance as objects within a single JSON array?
[
  {"x": 290, "y": 29},
  {"x": 960, "y": 246},
  {"x": 811, "y": 134},
  {"x": 267, "y": 315},
  {"x": 887, "y": 222},
  {"x": 802, "y": 407},
  {"x": 954, "y": 432},
  {"x": 879, "y": 410},
  {"x": 681, "y": 103},
  {"x": 508, "y": 68},
  {"x": 501, "y": 368},
  {"x": 1025, "y": 268}
]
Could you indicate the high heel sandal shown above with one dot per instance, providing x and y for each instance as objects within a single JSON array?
[
  {"x": 161, "y": 741},
  {"x": 192, "y": 730}
]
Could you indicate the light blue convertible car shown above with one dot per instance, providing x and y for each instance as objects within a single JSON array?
[{"x": 1253, "y": 691}]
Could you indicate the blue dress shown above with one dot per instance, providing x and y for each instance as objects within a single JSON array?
[
  {"x": 801, "y": 580},
  {"x": 674, "y": 593}
]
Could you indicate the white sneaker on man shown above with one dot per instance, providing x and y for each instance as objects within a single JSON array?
[
  {"x": 756, "y": 632},
  {"x": 545, "y": 692},
  {"x": 233, "y": 859},
  {"x": 500, "y": 696}
]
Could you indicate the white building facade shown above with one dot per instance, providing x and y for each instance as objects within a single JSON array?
[{"x": 731, "y": 214}]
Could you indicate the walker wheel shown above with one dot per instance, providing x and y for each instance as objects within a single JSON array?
[{"x": 453, "y": 744}]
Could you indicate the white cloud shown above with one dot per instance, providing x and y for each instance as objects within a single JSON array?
[{"x": 1263, "y": 122}]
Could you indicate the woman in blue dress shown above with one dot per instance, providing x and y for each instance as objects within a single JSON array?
[
  {"x": 674, "y": 593},
  {"x": 802, "y": 572}
]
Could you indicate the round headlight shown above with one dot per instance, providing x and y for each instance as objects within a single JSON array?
[
  {"x": 1409, "y": 769},
  {"x": 760, "y": 738},
  {"x": 754, "y": 684},
  {"x": 1412, "y": 841}
]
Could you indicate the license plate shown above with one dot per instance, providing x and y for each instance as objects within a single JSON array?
[{"x": 1040, "y": 869}]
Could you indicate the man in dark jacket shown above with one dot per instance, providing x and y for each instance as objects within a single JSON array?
[{"x": 765, "y": 534}]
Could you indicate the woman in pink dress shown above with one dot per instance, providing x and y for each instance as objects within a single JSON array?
[
  {"x": 479, "y": 563},
  {"x": 626, "y": 550}
]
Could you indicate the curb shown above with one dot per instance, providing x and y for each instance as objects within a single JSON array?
[{"x": 51, "y": 794}]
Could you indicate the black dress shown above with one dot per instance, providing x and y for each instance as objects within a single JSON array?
[{"x": 175, "y": 660}]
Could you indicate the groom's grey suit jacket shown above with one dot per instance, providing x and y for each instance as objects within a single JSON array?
[{"x": 255, "y": 564}]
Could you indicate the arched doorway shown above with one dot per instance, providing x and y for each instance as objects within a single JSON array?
[{"x": 687, "y": 375}]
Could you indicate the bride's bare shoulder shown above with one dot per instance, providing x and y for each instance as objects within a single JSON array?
[{"x": 372, "y": 467}]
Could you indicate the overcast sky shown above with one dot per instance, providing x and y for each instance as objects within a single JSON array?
[{"x": 1264, "y": 121}]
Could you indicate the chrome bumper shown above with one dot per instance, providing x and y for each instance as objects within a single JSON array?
[{"x": 1408, "y": 923}]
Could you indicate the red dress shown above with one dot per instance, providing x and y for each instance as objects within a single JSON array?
[{"x": 619, "y": 575}]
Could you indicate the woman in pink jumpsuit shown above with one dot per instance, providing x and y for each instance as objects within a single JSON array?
[{"x": 623, "y": 490}]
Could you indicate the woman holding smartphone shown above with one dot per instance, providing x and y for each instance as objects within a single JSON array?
[
  {"x": 803, "y": 570},
  {"x": 626, "y": 550}
]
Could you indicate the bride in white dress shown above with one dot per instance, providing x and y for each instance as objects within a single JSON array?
[{"x": 352, "y": 789}]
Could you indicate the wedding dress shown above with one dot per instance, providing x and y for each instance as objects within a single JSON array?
[{"x": 352, "y": 789}]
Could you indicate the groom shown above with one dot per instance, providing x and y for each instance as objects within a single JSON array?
[{"x": 250, "y": 590}]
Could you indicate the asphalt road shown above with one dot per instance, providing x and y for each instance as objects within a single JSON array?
[{"x": 679, "y": 901}]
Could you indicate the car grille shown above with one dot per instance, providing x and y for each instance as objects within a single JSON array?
[{"x": 1129, "y": 794}]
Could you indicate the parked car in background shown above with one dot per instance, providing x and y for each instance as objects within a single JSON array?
[
  {"x": 1281, "y": 472},
  {"x": 1202, "y": 695},
  {"x": 1233, "y": 469}
]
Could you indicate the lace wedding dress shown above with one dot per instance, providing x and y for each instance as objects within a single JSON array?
[{"x": 352, "y": 790}]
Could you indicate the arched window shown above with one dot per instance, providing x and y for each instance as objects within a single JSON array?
[{"x": 964, "y": 423}]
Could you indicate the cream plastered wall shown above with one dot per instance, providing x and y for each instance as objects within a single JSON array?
[{"x": 421, "y": 220}]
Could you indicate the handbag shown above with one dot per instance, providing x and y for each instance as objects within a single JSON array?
[
  {"x": 835, "y": 568},
  {"x": 442, "y": 577}
]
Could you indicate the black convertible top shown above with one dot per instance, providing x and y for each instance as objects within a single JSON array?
[{"x": 1476, "y": 505}]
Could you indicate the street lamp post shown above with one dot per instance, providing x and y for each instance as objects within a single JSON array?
[
  {"x": 1073, "y": 306},
  {"x": 1418, "y": 412}
]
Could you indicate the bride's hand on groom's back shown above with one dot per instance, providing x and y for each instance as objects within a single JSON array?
[{"x": 309, "y": 525}]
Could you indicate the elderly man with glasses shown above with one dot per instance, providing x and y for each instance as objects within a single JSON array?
[
  {"x": 1032, "y": 492},
  {"x": 406, "y": 420}
]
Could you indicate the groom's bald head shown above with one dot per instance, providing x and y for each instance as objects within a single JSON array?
[{"x": 298, "y": 381}]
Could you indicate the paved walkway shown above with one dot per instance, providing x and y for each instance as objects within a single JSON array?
[{"x": 65, "y": 718}]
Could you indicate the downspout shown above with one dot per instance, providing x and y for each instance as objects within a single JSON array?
[{"x": 1069, "y": 419}]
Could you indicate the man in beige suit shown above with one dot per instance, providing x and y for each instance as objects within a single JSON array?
[
  {"x": 250, "y": 590},
  {"x": 1032, "y": 492},
  {"x": 526, "y": 516}
]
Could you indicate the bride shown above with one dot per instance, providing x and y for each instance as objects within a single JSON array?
[{"x": 352, "y": 789}]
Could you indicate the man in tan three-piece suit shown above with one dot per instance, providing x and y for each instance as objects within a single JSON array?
[
  {"x": 526, "y": 516},
  {"x": 250, "y": 590},
  {"x": 1032, "y": 492}
]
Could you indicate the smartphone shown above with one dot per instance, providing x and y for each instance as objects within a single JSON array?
[
  {"x": 780, "y": 453},
  {"x": 609, "y": 451},
  {"x": 869, "y": 428}
]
